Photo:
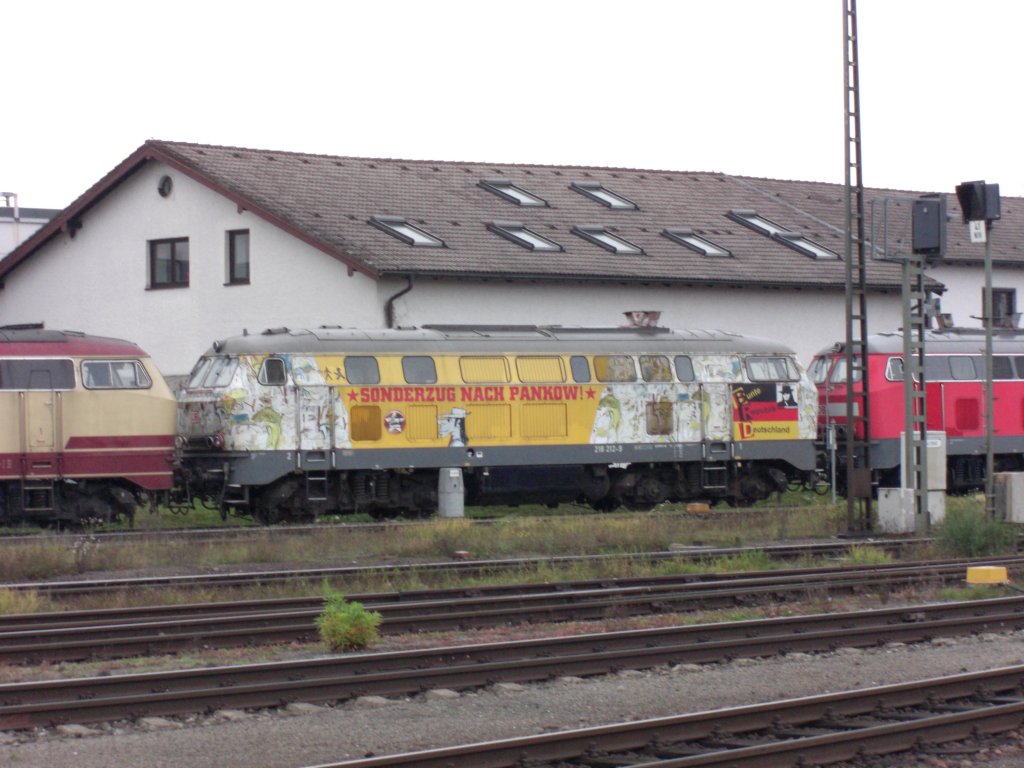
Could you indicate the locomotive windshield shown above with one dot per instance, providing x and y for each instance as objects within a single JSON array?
[{"x": 213, "y": 372}]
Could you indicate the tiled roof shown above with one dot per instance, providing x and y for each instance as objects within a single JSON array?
[{"x": 328, "y": 201}]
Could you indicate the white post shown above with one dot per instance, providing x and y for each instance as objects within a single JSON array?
[{"x": 451, "y": 497}]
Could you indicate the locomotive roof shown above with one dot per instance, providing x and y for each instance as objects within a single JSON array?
[
  {"x": 446, "y": 339},
  {"x": 36, "y": 341},
  {"x": 947, "y": 341}
]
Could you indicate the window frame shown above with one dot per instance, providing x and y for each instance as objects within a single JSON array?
[
  {"x": 65, "y": 363},
  {"x": 396, "y": 226},
  {"x": 689, "y": 239},
  {"x": 605, "y": 380},
  {"x": 600, "y": 193},
  {"x": 1002, "y": 319},
  {"x": 175, "y": 263},
  {"x": 509, "y": 229},
  {"x": 788, "y": 237},
  {"x": 358, "y": 360},
  {"x": 233, "y": 276},
  {"x": 500, "y": 188},
  {"x": 264, "y": 379},
  {"x": 416, "y": 360},
  {"x": 593, "y": 233},
  {"x": 689, "y": 363},
  {"x": 142, "y": 377},
  {"x": 793, "y": 373}
]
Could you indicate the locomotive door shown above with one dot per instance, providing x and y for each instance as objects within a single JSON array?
[
  {"x": 314, "y": 411},
  {"x": 717, "y": 420},
  {"x": 40, "y": 420}
]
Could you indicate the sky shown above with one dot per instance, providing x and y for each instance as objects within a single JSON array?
[{"x": 746, "y": 87}]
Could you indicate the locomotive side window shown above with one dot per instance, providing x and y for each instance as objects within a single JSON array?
[
  {"x": 37, "y": 373},
  {"x": 273, "y": 373},
  {"x": 894, "y": 369},
  {"x": 1002, "y": 368},
  {"x": 962, "y": 368},
  {"x": 536, "y": 370},
  {"x": 614, "y": 368},
  {"x": 839, "y": 372},
  {"x": 771, "y": 369},
  {"x": 580, "y": 369},
  {"x": 115, "y": 374},
  {"x": 684, "y": 368},
  {"x": 1018, "y": 363},
  {"x": 480, "y": 370},
  {"x": 655, "y": 368},
  {"x": 936, "y": 368},
  {"x": 362, "y": 370},
  {"x": 419, "y": 370}
]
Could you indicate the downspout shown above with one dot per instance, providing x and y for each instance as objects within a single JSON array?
[{"x": 389, "y": 305}]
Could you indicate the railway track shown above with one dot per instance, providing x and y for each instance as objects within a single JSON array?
[
  {"x": 241, "y": 579},
  {"x": 115, "y": 633},
  {"x": 95, "y": 699},
  {"x": 814, "y": 730}
]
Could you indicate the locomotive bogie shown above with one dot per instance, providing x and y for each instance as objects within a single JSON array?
[
  {"x": 295, "y": 424},
  {"x": 87, "y": 427}
]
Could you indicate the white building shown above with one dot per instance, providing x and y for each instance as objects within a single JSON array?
[{"x": 182, "y": 244}]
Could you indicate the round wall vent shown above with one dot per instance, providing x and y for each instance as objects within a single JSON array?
[{"x": 165, "y": 186}]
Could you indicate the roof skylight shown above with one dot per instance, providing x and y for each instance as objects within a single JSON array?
[
  {"x": 608, "y": 241},
  {"x": 406, "y": 232},
  {"x": 603, "y": 195},
  {"x": 696, "y": 243},
  {"x": 520, "y": 235},
  {"x": 780, "y": 234},
  {"x": 512, "y": 193}
]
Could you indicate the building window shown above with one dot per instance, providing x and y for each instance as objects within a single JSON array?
[
  {"x": 608, "y": 241},
  {"x": 509, "y": 191},
  {"x": 780, "y": 234},
  {"x": 238, "y": 257},
  {"x": 520, "y": 235},
  {"x": 406, "y": 232},
  {"x": 603, "y": 195},
  {"x": 1004, "y": 307},
  {"x": 168, "y": 263},
  {"x": 696, "y": 243}
]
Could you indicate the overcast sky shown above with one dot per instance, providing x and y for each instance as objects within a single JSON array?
[{"x": 749, "y": 87}]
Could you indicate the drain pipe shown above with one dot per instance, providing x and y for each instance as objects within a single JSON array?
[{"x": 389, "y": 305}]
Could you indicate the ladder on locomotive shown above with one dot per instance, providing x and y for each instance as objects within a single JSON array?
[{"x": 858, "y": 437}]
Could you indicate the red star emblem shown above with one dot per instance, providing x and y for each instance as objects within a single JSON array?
[
  {"x": 590, "y": 393},
  {"x": 353, "y": 396}
]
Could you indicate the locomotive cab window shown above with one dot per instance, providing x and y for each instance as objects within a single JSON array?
[
  {"x": 614, "y": 368},
  {"x": 273, "y": 373},
  {"x": 655, "y": 368},
  {"x": 771, "y": 369},
  {"x": 362, "y": 370},
  {"x": 819, "y": 370},
  {"x": 537, "y": 370},
  {"x": 894, "y": 369},
  {"x": 684, "y": 368},
  {"x": 37, "y": 374},
  {"x": 115, "y": 374},
  {"x": 580, "y": 369},
  {"x": 1002, "y": 368},
  {"x": 419, "y": 370},
  {"x": 839, "y": 371}
]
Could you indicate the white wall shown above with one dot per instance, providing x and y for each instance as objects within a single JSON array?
[
  {"x": 96, "y": 281},
  {"x": 964, "y": 287},
  {"x": 13, "y": 231},
  {"x": 807, "y": 320}
]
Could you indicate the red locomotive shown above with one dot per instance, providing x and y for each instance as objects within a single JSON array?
[{"x": 955, "y": 393}]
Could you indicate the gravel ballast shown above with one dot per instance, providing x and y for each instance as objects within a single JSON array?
[{"x": 308, "y": 735}]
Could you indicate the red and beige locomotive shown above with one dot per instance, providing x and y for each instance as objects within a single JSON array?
[
  {"x": 87, "y": 427},
  {"x": 955, "y": 394}
]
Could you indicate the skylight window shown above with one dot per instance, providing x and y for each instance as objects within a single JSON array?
[
  {"x": 406, "y": 232},
  {"x": 520, "y": 235},
  {"x": 512, "y": 193},
  {"x": 603, "y": 195},
  {"x": 696, "y": 243},
  {"x": 788, "y": 237},
  {"x": 608, "y": 241}
]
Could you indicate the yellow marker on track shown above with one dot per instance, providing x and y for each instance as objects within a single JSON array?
[{"x": 987, "y": 574}]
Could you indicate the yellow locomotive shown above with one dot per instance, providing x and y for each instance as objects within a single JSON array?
[{"x": 291, "y": 424}]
